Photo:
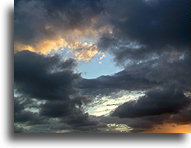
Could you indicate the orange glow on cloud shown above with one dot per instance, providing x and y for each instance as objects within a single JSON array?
[
  {"x": 170, "y": 128},
  {"x": 72, "y": 38},
  {"x": 43, "y": 47},
  {"x": 81, "y": 50},
  {"x": 84, "y": 51}
]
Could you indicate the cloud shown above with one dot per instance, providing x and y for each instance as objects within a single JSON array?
[
  {"x": 83, "y": 50},
  {"x": 143, "y": 28},
  {"x": 152, "y": 23},
  {"x": 34, "y": 69},
  {"x": 43, "y": 47},
  {"x": 46, "y": 90},
  {"x": 153, "y": 103}
]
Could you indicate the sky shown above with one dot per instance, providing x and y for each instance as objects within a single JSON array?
[{"x": 102, "y": 66}]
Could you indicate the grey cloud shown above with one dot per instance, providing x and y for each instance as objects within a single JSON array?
[
  {"x": 48, "y": 79},
  {"x": 34, "y": 70},
  {"x": 36, "y": 20},
  {"x": 152, "y": 23},
  {"x": 153, "y": 103},
  {"x": 155, "y": 26}
]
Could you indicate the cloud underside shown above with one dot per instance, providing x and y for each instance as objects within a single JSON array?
[
  {"x": 46, "y": 85},
  {"x": 156, "y": 107},
  {"x": 149, "y": 39}
]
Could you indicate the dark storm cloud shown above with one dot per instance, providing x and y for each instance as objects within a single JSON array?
[
  {"x": 182, "y": 117},
  {"x": 47, "y": 78},
  {"x": 35, "y": 70},
  {"x": 56, "y": 109},
  {"x": 152, "y": 22},
  {"x": 153, "y": 103},
  {"x": 36, "y": 20},
  {"x": 77, "y": 12},
  {"x": 81, "y": 121},
  {"x": 155, "y": 26},
  {"x": 68, "y": 113}
]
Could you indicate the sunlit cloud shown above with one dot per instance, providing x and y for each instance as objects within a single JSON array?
[
  {"x": 43, "y": 47},
  {"x": 74, "y": 40},
  {"x": 84, "y": 51}
]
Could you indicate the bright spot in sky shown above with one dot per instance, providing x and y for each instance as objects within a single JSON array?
[{"x": 103, "y": 106}]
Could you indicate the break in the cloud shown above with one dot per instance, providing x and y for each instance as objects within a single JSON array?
[{"x": 148, "y": 39}]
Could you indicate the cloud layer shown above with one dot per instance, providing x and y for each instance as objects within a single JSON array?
[
  {"x": 148, "y": 39},
  {"x": 153, "y": 103}
]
